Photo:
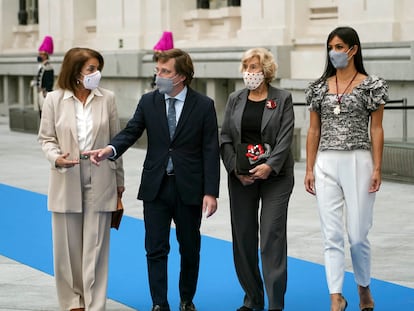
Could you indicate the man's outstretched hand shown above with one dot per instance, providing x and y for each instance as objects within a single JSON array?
[{"x": 99, "y": 155}]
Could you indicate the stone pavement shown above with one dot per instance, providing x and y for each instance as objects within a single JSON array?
[{"x": 23, "y": 165}]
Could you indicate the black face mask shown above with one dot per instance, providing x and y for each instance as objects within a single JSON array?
[{"x": 39, "y": 59}]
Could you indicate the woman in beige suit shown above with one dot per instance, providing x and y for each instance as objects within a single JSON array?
[{"x": 80, "y": 116}]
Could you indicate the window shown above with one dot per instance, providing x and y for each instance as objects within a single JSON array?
[
  {"x": 216, "y": 4},
  {"x": 28, "y": 12}
]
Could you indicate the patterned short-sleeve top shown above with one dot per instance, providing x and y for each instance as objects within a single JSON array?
[{"x": 344, "y": 125}]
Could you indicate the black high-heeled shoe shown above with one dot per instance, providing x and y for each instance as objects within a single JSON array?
[
  {"x": 338, "y": 302},
  {"x": 345, "y": 304},
  {"x": 367, "y": 307}
]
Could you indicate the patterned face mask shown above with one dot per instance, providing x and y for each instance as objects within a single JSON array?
[{"x": 253, "y": 80}]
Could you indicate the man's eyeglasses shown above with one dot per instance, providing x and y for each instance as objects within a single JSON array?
[{"x": 163, "y": 71}]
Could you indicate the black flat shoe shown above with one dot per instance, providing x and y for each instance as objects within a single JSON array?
[
  {"x": 187, "y": 306},
  {"x": 160, "y": 308}
]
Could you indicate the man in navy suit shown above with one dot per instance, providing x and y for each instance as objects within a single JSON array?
[{"x": 180, "y": 178}]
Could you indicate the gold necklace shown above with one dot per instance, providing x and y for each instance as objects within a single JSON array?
[{"x": 337, "y": 109}]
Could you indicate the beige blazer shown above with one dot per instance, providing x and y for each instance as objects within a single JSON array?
[{"x": 58, "y": 135}]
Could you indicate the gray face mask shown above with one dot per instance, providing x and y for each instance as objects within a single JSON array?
[
  {"x": 339, "y": 59},
  {"x": 165, "y": 85}
]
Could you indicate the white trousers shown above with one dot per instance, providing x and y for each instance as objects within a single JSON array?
[
  {"x": 342, "y": 180},
  {"x": 81, "y": 253}
]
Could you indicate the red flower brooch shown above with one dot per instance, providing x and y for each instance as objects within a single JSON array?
[{"x": 271, "y": 104}]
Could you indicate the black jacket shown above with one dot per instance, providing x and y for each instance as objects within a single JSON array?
[{"x": 194, "y": 148}]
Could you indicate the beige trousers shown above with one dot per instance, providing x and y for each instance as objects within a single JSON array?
[{"x": 81, "y": 251}]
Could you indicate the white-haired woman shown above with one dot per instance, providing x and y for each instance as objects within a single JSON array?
[{"x": 256, "y": 137}]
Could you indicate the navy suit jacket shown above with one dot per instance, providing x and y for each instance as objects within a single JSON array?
[{"x": 194, "y": 148}]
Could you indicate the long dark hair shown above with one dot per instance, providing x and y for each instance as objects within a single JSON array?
[{"x": 350, "y": 37}]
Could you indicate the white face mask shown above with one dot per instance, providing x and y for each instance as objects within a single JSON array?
[
  {"x": 91, "y": 81},
  {"x": 253, "y": 80}
]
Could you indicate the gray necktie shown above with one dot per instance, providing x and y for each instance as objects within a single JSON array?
[{"x": 171, "y": 116}]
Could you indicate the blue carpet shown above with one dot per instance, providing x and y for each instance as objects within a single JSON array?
[{"x": 25, "y": 236}]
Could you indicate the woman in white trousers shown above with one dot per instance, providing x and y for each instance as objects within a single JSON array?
[{"x": 343, "y": 160}]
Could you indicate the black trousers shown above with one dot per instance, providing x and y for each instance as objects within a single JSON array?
[
  {"x": 158, "y": 215},
  {"x": 251, "y": 224}
]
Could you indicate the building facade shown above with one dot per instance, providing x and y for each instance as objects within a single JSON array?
[{"x": 215, "y": 33}]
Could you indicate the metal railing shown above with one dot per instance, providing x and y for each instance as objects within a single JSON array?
[{"x": 404, "y": 107}]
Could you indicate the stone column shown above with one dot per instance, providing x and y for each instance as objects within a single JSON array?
[
  {"x": 265, "y": 22},
  {"x": 218, "y": 90}
]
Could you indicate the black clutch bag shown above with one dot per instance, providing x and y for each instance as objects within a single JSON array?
[
  {"x": 117, "y": 215},
  {"x": 250, "y": 155}
]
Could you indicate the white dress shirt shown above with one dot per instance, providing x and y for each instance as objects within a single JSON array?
[{"x": 83, "y": 119}]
